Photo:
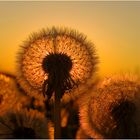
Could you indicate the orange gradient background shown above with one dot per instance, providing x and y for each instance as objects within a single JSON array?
[{"x": 114, "y": 27}]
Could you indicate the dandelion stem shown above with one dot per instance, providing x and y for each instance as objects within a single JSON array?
[{"x": 57, "y": 117}]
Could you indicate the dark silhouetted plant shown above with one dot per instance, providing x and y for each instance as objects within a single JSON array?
[{"x": 56, "y": 61}]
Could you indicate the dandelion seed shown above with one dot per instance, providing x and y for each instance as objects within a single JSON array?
[
  {"x": 22, "y": 123},
  {"x": 115, "y": 110}
]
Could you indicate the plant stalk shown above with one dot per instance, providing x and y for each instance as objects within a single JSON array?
[{"x": 57, "y": 114}]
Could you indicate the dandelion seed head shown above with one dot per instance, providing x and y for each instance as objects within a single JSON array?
[
  {"x": 23, "y": 123},
  {"x": 9, "y": 94},
  {"x": 64, "y": 53},
  {"x": 117, "y": 98}
]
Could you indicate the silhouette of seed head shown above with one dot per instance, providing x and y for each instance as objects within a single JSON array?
[
  {"x": 56, "y": 58},
  {"x": 9, "y": 94},
  {"x": 114, "y": 111},
  {"x": 22, "y": 123}
]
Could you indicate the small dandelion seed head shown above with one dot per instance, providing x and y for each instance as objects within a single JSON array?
[
  {"x": 9, "y": 93},
  {"x": 56, "y": 57},
  {"x": 22, "y": 123},
  {"x": 116, "y": 101}
]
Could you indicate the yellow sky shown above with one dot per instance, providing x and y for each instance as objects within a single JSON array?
[{"x": 114, "y": 27}]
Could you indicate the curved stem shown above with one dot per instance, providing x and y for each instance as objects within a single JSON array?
[{"x": 57, "y": 114}]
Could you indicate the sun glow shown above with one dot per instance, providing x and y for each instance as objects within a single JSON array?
[{"x": 112, "y": 26}]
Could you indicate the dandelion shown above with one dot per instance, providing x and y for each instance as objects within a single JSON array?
[
  {"x": 114, "y": 111},
  {"x": 22, "y": 123},
  {"x": 56, "y": 61},
  {"x": 55, "y": 57},
  {"x": 9, "y": 94}
]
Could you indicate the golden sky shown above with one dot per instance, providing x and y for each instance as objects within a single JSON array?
[{"x": 114, "y": 27}]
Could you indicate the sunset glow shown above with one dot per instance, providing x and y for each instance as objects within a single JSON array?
[{"x": 112, "y": 26}]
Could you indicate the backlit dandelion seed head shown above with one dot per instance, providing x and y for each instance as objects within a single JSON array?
[
  {"x": 22, "y": 123},
  {"x": 117, "y": 98},
  {"x": 74, "y": 57},
  {"x": 9, "y": 94}
]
